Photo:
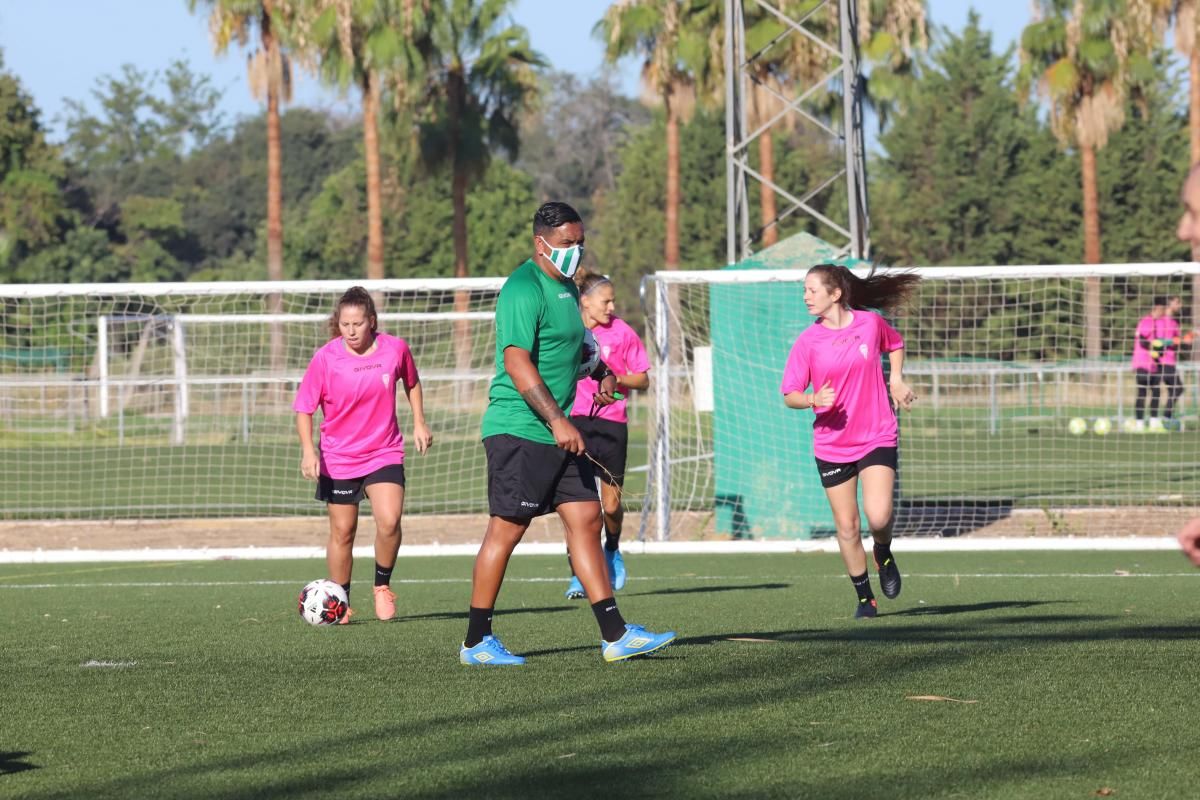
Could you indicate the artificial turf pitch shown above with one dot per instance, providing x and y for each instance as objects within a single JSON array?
[{"x": 1063, "y": 675}]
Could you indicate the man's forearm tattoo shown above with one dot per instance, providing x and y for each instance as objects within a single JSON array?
[{"x": 542, "y": 402}]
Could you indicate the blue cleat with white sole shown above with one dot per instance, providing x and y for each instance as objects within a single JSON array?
[
  {"x": 616, "y": 569},
  {"x": 637, "y": 641},
  {"x": 489, "y": 653},
  {"x": 575, "y": 590}
]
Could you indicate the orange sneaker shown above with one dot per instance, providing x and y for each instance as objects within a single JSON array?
[
  {"x": 385, "y": 603},
  {"x": 345, "y": 620}
]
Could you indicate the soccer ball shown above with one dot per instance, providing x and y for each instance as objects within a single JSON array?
[
  {"x": 323, "y": 602},
  {"x": 1102, "y": 426},
  {"x": 1077, "y": 426},
  {"x": 589, "y": 355}
]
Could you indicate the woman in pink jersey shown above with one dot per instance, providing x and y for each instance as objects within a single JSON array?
[
  {"x": 605, "y": 429},
  {"x": 353, "y": 379},
  {"x": 1155, "y": 345},
  {"x": 855, "y": 431}
]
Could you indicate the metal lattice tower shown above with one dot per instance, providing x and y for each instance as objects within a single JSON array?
[{"x": 842, "y": 70}]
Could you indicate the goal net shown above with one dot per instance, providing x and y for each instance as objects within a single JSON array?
[
  {"x": 1027, "y": 420},
  {"x": 145, "y": 401}
]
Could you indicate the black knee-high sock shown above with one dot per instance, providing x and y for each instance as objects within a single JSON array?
[
  {"x": 612, "y": 624},
  {"x": 612, "y": 541},
  {"x": 882, "y": 553},
  {"x": 479, "y": 625},
  {"x": 383, "y": 575},
  {"x": 862, "y": 585}
]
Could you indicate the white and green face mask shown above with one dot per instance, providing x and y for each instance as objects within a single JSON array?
[{"x": 566, "y": 259}]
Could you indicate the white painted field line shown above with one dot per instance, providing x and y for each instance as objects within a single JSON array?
[
  {"x": 767, "y": 546},
  {"x": 1195, "y": 575}
]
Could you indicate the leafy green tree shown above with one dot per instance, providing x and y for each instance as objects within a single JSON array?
[
  {"x": 632, "y": 217},
  {"x": 34, "y": 209},
  {"x": 679, "y": 44},
  {"x": 481, "y": 77},
  {"x": 142, "y": 127},
  {"x": 372, "y": 44},
  {"x": 220, "y": 185},
  {"x": 1083, "y": 57},
  {"x": 947, "y": 188},
  {"x": 574, "y": 157}
]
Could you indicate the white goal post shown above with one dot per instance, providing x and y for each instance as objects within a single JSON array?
[
  {"x": 1026, "y": 421},
  {"x": 141, "y": 401}
]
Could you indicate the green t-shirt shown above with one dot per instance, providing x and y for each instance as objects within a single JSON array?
[{"x": 540, "y": 314}]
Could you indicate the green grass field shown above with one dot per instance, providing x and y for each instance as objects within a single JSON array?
[{"x": 1067, "y": 677}]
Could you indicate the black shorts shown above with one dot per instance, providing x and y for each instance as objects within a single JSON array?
[
  {"x": 833, "y": 474},
  {"x": 527, "y": 479},
  {"x": 1148, "y": 378},
  {"x": 608, "y": 442},
  {"x": 350, "y": 491}
]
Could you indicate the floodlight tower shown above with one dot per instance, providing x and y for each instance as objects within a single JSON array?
[{"x": 839, "y": 80}]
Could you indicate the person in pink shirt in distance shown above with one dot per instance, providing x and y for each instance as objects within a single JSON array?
[
  {"x": 353, "y": 380},
  {"x": 854, "y": 428},
  {"x": 605, "y": 429},
  {"x": 1155, "y": 344}
]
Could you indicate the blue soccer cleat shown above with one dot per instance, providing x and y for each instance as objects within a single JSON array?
[
  {"x": 637, "y": 641},
  {"x": 616, "y": 569},
  {"x": 575, "y": 590},
  {"x": 489, "y": 653}
]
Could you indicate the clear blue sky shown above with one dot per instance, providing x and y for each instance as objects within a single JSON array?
[{"x": 58, "y": 49}]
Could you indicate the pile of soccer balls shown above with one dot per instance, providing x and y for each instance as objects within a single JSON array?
[{"x": 1079, "y": 426}]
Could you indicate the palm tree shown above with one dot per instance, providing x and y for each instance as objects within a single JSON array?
[
  {"x": 679, "y": 44},
  {"x": 889, "y": 31},
  {"x": 480, "y": 78},
  {"x": 1083, "y": 57},
  {"x": 372, "y": 44},
  {"x": 270, "y": 77}
]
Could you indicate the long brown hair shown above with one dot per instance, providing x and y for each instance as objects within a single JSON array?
[
  {"x": 354, "y": 296},
  {"x": 882, "y": 291}
]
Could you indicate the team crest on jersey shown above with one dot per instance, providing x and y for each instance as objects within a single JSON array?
[
  {"x": 604, "y": 351},
  {"x": 866, "y": 352},
  {"x": 384, "y": 377}
]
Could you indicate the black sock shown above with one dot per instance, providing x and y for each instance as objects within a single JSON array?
[
  {"x": 612, "y": 541},
  {"x": 346, "y": 586},
  {"x": 612, "y": 624},
  {"x": 383, "y": 575},
  {"x": 479, "y": 625},
  {"x": 882, "y": 553},
  {"x": 862, "y": 585}
]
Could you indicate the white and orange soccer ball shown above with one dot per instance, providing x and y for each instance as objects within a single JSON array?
[{"x": 323, "y": 602}]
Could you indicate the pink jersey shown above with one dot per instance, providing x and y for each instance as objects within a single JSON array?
[
  {"x": 358, "y": 397},
  {"x": 621, "y": 349},
  {"x": 861, "y": 418},
  {"x": 1149, "y": 329}
]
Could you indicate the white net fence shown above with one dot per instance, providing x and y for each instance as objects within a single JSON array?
[
  {"x": 1027, "y": 421},
  {"x": 174, "y": 400}
]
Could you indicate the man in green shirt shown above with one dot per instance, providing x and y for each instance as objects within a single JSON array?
[{"x": 537, "y": 462}]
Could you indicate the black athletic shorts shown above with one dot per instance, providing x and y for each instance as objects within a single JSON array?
[
  {"x": 608, "y": 442},
  {"x": 350, "y": 491},
  {"x": 832, "y": 473},
  {"x": 527, "y": 479}
]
